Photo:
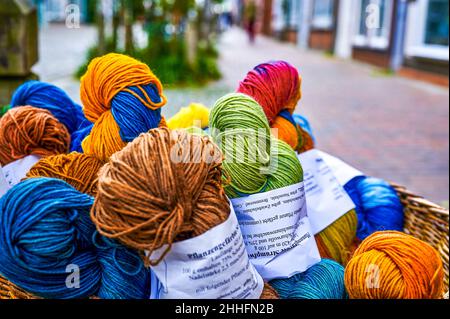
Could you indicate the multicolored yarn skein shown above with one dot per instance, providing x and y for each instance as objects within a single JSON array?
[
  {"x": 255, "y": 161},
  {"x": 324, "y": 280},
  {"x": 377, "y": 205},
  {"x": 194, "y": 115},
  {"x": 276, "y": 86},
  {"x": 27, "y": 130},
  {"x": 123, "y": 98},
  {"x": 147, "y": 200},
  {"x": 78, "y": 170},
  {"x": 49, "y": 246},
  {"x": 49, "y": 97},
  {"x": 394, "y": 265}
]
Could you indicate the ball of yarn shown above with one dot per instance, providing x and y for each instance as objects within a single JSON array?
[
  {"x": 27, "y": 130},
  {"x": 49, "y": 97},
  {"x": 336, "y": 242},
  {"x": 306, "y": 139},
  {"x": 377, "y": 205},
  {"x": 194, "y": 115},
  {"x": 393, "y": 265},
  {"x": 150, "y": 196},
  {"x": 78, "y": 170},
  {"x": 123, "y": 98},
  {"x": 78, "y": 137},
  {"x": 285, "y": 129},
  {"x": 324, "y": 280},
  {"x": 255, "y": 162},
  {"x": 47, "y": 236},
  {"x": 276, "y": 86},
  {"x": 305, "y": 125}
]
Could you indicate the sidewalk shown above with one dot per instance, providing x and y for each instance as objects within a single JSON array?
[{"x": 387, "y": 126}]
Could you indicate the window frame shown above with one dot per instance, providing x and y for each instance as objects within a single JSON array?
[
  {"x": 370, "y": 39},
  {"x": 320, "y": 25},
  {"x": 415, "y": 41}
]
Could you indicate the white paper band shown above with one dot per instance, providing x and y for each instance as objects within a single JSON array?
[
  {"x": 277, "y": 232},
  {"x": 214, "y": 265},
  {"x": 326, "y": 199},
  {"x": 14, "y": 172},
  {"x": 341, "y": 170}
]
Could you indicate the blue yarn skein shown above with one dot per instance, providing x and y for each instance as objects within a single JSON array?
[
  {"x": 377, "y": 205},
  {"x": 132, "y": 116},
  {"x": 324, "y": 280},
  {"x": 45, "y": 230},
  {"x": 47, "y": 96},
  {"x": 78, "y": 138}
]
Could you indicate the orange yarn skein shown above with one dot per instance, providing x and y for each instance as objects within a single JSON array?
[
  {"x": 394, "y": 265},
  {"x": 122, "y": 97},
  {"x": 27, "y": 130},
  {"x": 164, "y": 187},
  {"x": 78, "y": 170}
]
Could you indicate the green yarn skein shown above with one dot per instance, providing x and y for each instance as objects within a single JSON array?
[{"x": 255, "y": 161}]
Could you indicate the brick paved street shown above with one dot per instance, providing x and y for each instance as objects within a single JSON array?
[{"x": 387, "y": 126}]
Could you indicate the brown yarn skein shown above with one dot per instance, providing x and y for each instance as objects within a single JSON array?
[
  {"x": 162, "y": 188},
  {"x": 27, "y": 130},
  {"x": 78, "y": 170}
]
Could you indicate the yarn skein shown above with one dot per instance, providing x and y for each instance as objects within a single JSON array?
[
  {"x": 336, "y": 242},
  {"x": 394, "y": 265},
  {"x": 306, "y": 139},
  {"x": 255, "y": 162},
  {"x": 150, "y": 196},
  {"x": 235, "y": 120},
  {"x": 194, "y": 115},
  {"x": 276, "y": 86},
  {"x": 377, "y": 205},
  {"x": 78, "y": 137},
  {"x": 27, "y": 130},
  {"x": 78, "y": 170},
  {"x": 46, "y": 234},
  {"x": 123, "y": 98},
  {"x": 49, "y": 97},
  {"x": 324, "y": 280}
]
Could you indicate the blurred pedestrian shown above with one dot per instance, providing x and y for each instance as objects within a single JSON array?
[{"x": 250, "y": 17}]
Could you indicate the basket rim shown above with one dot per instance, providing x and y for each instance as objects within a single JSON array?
[{"x": 421, "y": 200}]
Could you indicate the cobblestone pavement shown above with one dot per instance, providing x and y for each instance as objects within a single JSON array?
[{"x": 387, "y": 126}]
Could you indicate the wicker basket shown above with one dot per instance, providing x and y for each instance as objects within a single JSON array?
[
  {"x": 428, "y": 222},
  {"x": 423, "y": 219}
]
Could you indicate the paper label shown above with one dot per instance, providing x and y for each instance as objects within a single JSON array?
[
  {"x": 341, "y": 170},
  {"x": 326, "y": 199},
  {"x": 16, "y": 171},
  {"x": 277, "y": 232},
  {"x": 214, "y": 265},
  {"x": 4, "y": 187}
]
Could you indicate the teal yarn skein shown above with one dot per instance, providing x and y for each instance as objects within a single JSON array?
[
  {"x": 255, "y": 162},
  {"x": 324, "y": 280},
  {"x": 46, "y": 235}
]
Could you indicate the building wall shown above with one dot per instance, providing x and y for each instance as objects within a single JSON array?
[{"x": 323, "y": 33}]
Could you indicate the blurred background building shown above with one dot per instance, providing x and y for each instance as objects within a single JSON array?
[{"x": 406, "y": 36}]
